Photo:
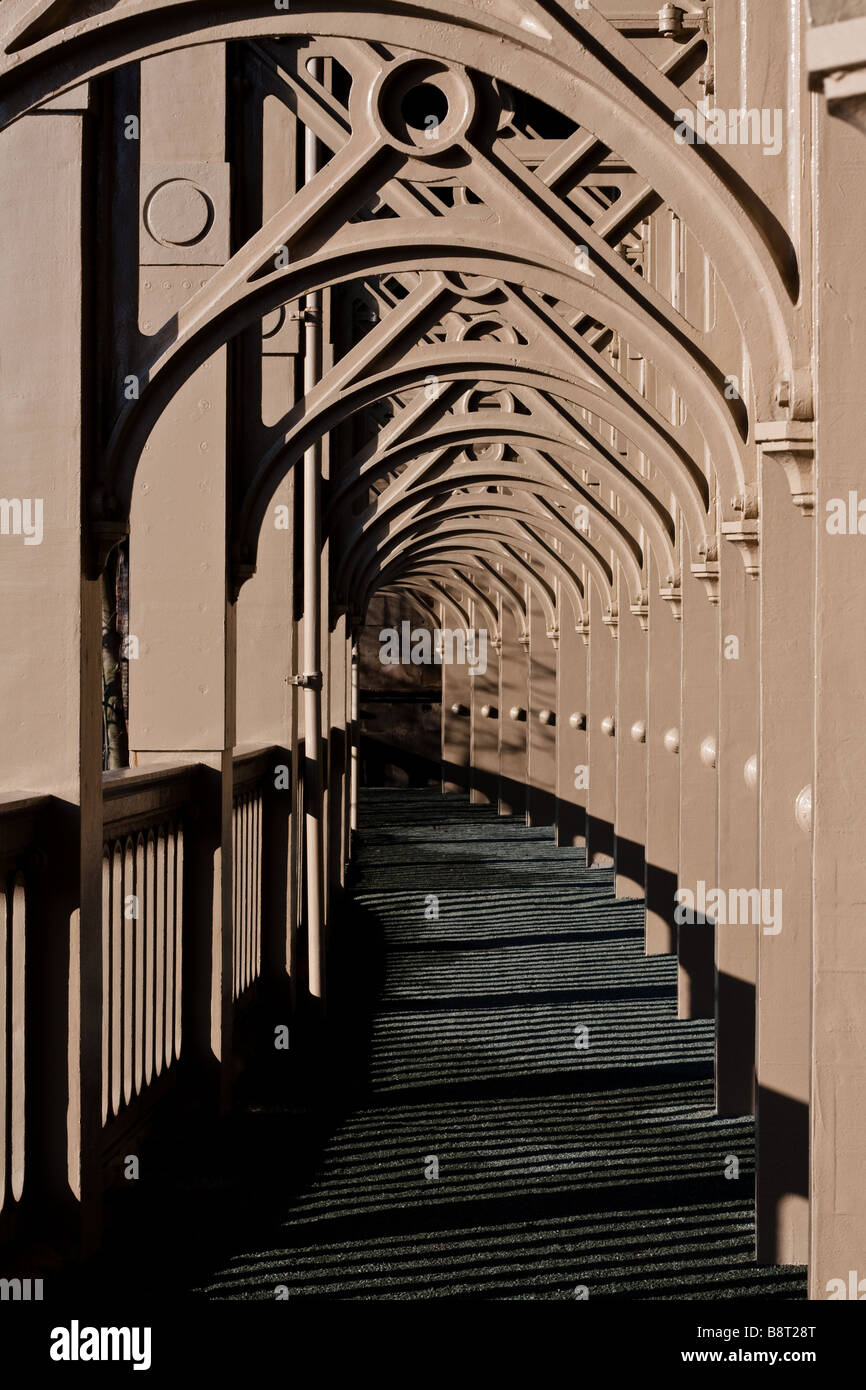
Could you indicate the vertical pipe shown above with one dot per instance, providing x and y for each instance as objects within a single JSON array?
[
  {"x": 355, "y": 740},
  {"x": 312, "y": 678}
]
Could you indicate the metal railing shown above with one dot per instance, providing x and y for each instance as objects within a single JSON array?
[
  {"x": 143, "y": 877},
  {"x": 253, "y": 776},
  {"x": 149, "y": 973},
  {"x": 19, "y": 858}
]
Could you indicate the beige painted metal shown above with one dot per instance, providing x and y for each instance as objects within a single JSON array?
[
  {"x": 664, "y": 712},
  {"x": 698, "y": 736},
  {"x": 632, "y": 649},
  {"x": 50, "y": 735},
  {"x": 785, "y": 875},
  {"x": 838, "y": 1088},
  {"x": 736, "y": 943},
  {"x": 572, "y": 758},
  {"x": 513, "y": 708},
  {"x": 535, "y": 407},
  {"x": 541, "y": 721},
  {"x": 602, "y": 733},
  {"x": 182, "y": 672}
]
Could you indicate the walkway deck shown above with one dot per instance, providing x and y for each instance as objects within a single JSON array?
[{"x": 559, "y": 1167}]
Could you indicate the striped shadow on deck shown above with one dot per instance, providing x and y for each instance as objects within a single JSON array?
[{"x": 560, "y": 1167}]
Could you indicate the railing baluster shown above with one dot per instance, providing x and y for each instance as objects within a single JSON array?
[
  {"x": 106, "y": 981},
  {"x": 116, "y": 975},
  {"x": 174, "y": 898},
  {"x": 139, "y": 927},
  {"x": 128, "y": 945},
  {"x": 163, "y": 930},
  {"x": 5, "y": 981},
  {"x": 18, "y": 945}
]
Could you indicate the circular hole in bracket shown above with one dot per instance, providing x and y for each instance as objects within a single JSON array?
[{"x": 424, "y": 107}]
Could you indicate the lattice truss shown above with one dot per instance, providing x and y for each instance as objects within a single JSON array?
[{"x": 524, "y": 382}]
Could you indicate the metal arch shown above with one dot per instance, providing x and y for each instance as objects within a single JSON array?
[
  {"x": 428, "y": 605},
  {"x": 484, "y": 601},
  {"x": 465, "y": 431},
  {"x": 363, "y": 540},
  {"x": 471, "y": 505},
  {"x": 195, "y": 344},
  {"x": 522, "y": 539},
  {"x": 433, "y": 594},
  {"x": 635, "y": 489},
  {"x": 479, "y": 596},
  {"x": 385, "y": 506},
  {"x": 505, "y": 591},
  {"x": 231, "y": 270},
  {"x": 362, "y": 552},
  {"x": 508, "y": 594},
  {"x": 484, "y": 545},
  {"x": 502, "y": 596},
  {"x": 440, "y": 586},
  {"x": 313, "y": 420},
  {"x": 560, "y": 63},
  {"x": 478, "y": 562}
]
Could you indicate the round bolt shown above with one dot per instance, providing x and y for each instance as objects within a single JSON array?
[
  {"x": 750, "y": 772},
  {"x": 577, "y": 721},
  {"x": 709, "y": 751},
  {"x": 608, "y": 725},
  {"x": 803, "y": 810},
  {"x": 546, "y": 716},
  {"x": 638, "y": 731},
  {"x": 489, "y": 711},
  {"x": 672, "y": 740},
  {"x": 517, "y": 712}
]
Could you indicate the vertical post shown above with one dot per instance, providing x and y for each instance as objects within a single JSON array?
[
  {"x": 484, "y": 722},
  {"x": 601, "y": 796},
  {"x": 337, "y": 756},
  {"x": 736, "y": 944},
  {"x": 541, "y": 720},
  {"x": 50, "y": 646},
  {"x": 663, "y": 773},
  {"x": 572, "y": 759},
  {"x": 785, "y": 873},
  {"x": 456, "y": 701},
  {"x": 838, "y": 1126},
  {"x": 355, "y": 741},
  {"x": 698, "y": 755},
  {"x": 265, "y": 361},
  {"x": 513, "y": 700},
  {"x": 631, "y": 701},
  {"x": 183, "y": 678},
  {"x": 312, "y": 637}
]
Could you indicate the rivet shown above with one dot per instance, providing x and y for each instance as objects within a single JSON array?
[{"x": 709, "y": 751}]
